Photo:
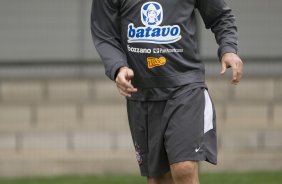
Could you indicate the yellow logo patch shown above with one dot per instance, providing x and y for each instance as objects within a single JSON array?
[{"x": 153, "y": 62}]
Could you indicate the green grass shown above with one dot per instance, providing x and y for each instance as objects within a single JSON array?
[
  {"x": 242, "y": 178},
  {"x": 78, "y": 180},
  {"x": 206, "y": 178}
]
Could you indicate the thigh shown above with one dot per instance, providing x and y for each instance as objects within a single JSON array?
[
  {"x": 147, "y": 130},
  {"x": 191, "y": 134},
  {"x": 137, "y": 118}
]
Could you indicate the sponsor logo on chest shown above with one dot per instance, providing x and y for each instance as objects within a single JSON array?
[
  {"x": 152, "y": 32},
  {"x": 154, "y": 62}
]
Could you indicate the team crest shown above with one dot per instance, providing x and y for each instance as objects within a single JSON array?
[
  {"x": 138, "y": 154},
  {"x": 151, "y": 14}
]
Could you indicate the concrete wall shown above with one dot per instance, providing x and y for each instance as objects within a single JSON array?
[
  {"x": 59, "y": 29},
  {"x": 45, "y": 30},
  {"x": 51, "y": 126},
  {"x": 259, "y": 26},
  {"x": 74, "y": 126}
]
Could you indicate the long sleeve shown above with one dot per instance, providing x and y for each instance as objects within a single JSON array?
[
  {"x": 217, "y": 16},
  {"x": 105, "y": 29}
]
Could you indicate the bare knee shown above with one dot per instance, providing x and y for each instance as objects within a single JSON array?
[{"x": 185, "y": 172}]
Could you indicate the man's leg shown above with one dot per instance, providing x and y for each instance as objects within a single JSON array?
[
  {"x": 185, "y": 172},
  {"x": 165, "y": 179},
  {"x": 181, "y": 173}
]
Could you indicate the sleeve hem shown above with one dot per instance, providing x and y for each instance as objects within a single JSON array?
[
  {"x": 114, "y": 70},
  {"x": 226, "y": 49}
]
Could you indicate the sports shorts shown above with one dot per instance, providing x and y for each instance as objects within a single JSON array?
[{"x": 174, "y": 130}]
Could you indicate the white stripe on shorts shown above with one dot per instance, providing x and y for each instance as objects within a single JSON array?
[{"x": 208, "y": 119}]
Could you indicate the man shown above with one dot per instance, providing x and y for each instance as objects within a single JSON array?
[{"x": 149, "y": 48}]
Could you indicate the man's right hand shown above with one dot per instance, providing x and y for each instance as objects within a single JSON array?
[{"x": 123, "y": 81}]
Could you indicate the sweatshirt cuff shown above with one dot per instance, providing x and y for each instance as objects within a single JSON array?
[
  {"x": 226, "y": 49},
  {"x": 115, "y": 69}
]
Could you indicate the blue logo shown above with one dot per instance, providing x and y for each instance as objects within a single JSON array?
[
  {"x": 152, "y": 17},
  {"x": 151, "y": 14}
]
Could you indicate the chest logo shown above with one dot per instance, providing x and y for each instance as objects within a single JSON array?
[
  {"x": 153, "y": 61},
  {"x": 152, "y": 16}
]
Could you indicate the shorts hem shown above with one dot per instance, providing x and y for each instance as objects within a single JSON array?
[{"x": 205, "y": 158}]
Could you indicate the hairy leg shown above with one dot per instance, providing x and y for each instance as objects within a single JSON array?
[
  {"x": 165, "y": 179},
  {"x": 185, "y": 172}
]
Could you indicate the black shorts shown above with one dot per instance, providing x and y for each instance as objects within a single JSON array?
[{"x": 174, "y": 130}]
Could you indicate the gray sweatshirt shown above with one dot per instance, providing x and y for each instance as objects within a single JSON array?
[{"x": 157, "y": 39}]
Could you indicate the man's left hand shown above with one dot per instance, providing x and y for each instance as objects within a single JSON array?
[{"x": 232, "y": 60}]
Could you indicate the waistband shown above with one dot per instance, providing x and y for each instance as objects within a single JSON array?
[{"x": 169, "y": 81}]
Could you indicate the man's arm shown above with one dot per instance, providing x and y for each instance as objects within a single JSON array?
[
  {"x": 217, "y": 16},
  {"x": 105, "y": 29},
  {"x": 106, "y": 35}
]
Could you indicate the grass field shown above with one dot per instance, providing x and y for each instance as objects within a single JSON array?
[{"x": 206, "y": 178}]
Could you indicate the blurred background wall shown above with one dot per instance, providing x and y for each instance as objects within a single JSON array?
[{"x": 59, "y": 114}]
